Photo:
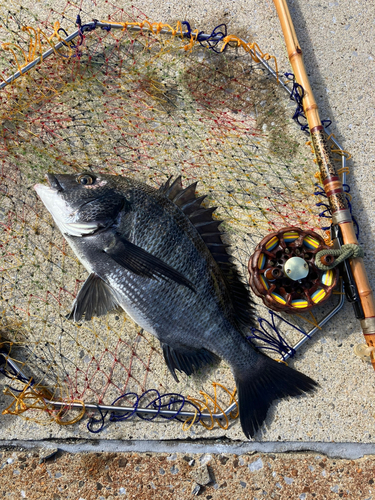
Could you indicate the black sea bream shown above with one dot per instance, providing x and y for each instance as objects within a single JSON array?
[{"x": 159, "y": 255}]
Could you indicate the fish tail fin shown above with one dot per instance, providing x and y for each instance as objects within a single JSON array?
[{"x": 258, "y": 387}]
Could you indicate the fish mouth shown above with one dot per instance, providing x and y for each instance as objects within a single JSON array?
[{"x": 53, "y": 182}]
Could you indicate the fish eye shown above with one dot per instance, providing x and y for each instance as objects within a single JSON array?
[{"x": 85, "y": 179}]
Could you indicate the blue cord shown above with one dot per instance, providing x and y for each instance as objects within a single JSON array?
[
  {"x": 208, "y": 42},
  {"x": 273, "y": 340},
  {"x": 156, "y": 403}
]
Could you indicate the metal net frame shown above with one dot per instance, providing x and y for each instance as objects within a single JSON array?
[{"x": 128, "y": 96}]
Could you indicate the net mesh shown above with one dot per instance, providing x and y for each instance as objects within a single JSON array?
[{"x": 141, "y": 104}]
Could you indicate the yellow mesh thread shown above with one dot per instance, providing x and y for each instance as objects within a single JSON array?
[{"x": 176, "y": 109}]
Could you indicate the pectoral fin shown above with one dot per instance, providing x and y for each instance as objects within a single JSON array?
[
  {"x": 188, "y": 361},
  {"x": 95, "y": 298},
  {"x": 141, "y": 262}
]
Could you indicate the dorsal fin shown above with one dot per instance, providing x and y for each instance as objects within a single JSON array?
[
  {"x": 191, "y": 206},
  {"x": 164, "y": 187},
  {"x": 185, "y": 196},
  {"x": 202, "y": 215},
  {"x": 171, "y": 190},
  {"x": 207, "y": 227}
]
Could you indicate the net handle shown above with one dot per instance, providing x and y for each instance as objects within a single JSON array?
[{"x": 332, "y": 184}]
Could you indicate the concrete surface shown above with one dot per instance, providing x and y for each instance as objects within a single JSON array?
[
  {"x": 205, "y": 446},
  {"x": 337, "y": 39}
]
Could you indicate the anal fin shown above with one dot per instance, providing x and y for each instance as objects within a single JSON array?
[
  {"x": 187, "y": 361},
  {"x": 95, "y": 298}
]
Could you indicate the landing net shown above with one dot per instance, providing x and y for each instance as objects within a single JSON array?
[{"x": 146, "y": 102}]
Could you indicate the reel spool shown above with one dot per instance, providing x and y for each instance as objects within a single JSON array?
[{"x": 283, "y": 271}]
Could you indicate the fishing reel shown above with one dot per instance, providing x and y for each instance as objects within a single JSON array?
[{"x": 283, "y": 272}]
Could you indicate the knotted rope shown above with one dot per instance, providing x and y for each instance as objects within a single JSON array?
[{"x": 350, "y": 250}]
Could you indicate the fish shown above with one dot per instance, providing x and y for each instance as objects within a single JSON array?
[{"x": 158, "y": 254}]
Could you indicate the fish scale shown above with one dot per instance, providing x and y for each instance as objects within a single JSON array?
[
  {"x": 159, "y": 255},
  {"x": 180, "y": 251}
]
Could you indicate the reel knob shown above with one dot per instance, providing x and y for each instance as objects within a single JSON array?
[
  {"x": 363, "y": 351},
  {"x": 273, "y": 273},
  {"x": 327, "y": 260}
]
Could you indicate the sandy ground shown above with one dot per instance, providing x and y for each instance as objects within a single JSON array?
[
  {"x": 90, "y": 476},
  {"x": 337, "y": 39}
]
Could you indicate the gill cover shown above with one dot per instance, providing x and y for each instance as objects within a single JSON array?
[{"x": 80, "y": 204}]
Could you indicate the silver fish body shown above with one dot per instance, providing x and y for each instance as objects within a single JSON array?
[{"x": 158, "y": 254}]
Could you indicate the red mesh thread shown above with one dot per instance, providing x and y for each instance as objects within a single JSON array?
[{"x": 135, "y": 104}]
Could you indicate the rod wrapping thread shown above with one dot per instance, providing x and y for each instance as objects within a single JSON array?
[{"x": 331, "y": 181}]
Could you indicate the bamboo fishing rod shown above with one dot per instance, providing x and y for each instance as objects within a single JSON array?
[{"x": 341, "y": 216}]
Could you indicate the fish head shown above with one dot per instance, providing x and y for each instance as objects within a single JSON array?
[{"x": 81, "y": 204}]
